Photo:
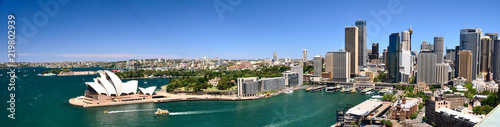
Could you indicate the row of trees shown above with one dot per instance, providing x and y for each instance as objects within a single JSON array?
[
  {"x": 488, "y": 104},
  {"x": 145, "y": 73},
  {"x": 189, "y": 83},
  {"x": 56, "y": 71}
]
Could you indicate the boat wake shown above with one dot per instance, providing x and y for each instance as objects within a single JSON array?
[
  {"x": 136, "y": 110},
  {"x": 171, "y": 113},
  {"x": 197, "y": 112}
]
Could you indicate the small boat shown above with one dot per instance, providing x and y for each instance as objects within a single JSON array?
[
  {"x": 161, "y": 112},
  {"x": 369, "y": 92},
  {"x": 105, "y": 111},
  {"x": 289, "y": 92}
]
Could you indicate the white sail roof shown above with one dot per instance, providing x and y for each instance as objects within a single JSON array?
[
  {"x": 150, "y": 90},
  {"x": 108, "y": 83},
  {"x": 97, "y": 87}
]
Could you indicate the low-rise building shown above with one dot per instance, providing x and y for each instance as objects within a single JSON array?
[
  {"x": 404, "y": 108},
  {"x": 248, "y": 86},
  {"x": 268, "y": 84},
  {"x": 445, "y": 117},
  {"x": 456, "y": 101},
  {"x": 481, "y": 86},
  {"x": 421, "y": 86}
]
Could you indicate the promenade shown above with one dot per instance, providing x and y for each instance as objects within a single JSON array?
[{"x": 168, "y": 97}]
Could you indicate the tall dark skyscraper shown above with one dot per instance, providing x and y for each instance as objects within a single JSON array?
[
  {"x": 457, "y": 48},
  {"x": 470, "y": 39},
  {"x": 375, "y": 52},
  {"x": 496, "y": 60},
  {"x": 363, "y": 52},
  {"x": 393, "y": 57}
]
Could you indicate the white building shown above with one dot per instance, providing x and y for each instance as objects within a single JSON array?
[{"x": 406, "y": 65}]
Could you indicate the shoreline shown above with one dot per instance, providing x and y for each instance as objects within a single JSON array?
[{"x": 177, "y": 97}]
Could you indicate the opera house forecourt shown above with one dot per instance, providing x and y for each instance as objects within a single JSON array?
[{"x": 108, "y": 89}]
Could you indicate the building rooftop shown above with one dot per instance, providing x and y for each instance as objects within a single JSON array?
[
  {"x": 364, "y": 108},
  {"x": 472, "y": 118}
]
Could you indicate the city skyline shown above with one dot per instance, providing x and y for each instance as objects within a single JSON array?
[{"x": 187, "y": 29}]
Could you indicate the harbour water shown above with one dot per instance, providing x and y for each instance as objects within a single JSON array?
[{"x": 43, "y": 101}]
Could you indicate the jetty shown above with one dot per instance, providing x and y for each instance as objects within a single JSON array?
[{"x": 314, "y": 89}]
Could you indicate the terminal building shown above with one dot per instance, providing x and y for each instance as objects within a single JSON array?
[{"x": 362, "y": 110}]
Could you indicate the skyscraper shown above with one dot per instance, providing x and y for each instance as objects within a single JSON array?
[
  {"x": 426, "y": 67},
  {"x": 375, "y": 52},
  {"x": 275, "y": 57},
  {"x": 304, "y": 57},
  {"x": 405, "y": 41},
  {"x": 329, "y": 62},
  {"x": 465, "y": 64},
  {"x": 442, "y": 74},
  {"x": 484, "y": 66},
  {"x": 450, "y": 54},
  {"x": 340, "y": 68},
  {"x": 351, "y": 46},
  {"x": 457, "y": 49},
  {"x": 405, "y": 65},
  {"x": 363, "y": 53},
  {"x": 300, "y": 71},
  {"x": 393, "y": 58},
  {"x": 496, "y": 60},
  {"x": 438, "y": 48},
  {"x": 426, "y": 46},
  {"x": 470, "y": 40},
  {"x": 493, "y": 36},
  {"x": 318, "y": 65}
]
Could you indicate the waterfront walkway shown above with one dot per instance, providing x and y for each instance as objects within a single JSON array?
[{"x": 168, "y": 97}]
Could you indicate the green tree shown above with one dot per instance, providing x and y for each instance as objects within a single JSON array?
[
  {"x": 381, "y": 77},
  {"x": 413, "y": 80},
  {"x": 375, "y": 79},
  {"x": 410, "y": 94},
  {"x": 485, "y": 92},
  {"x": 491, "y": 100},
  {"x": 420, "y": 93},
  {"x": 413, "y": 116},
  {"x": 486, "y": 109},
  {"x": 388, "y": 97},
  {"x": 466, "y": 105}
]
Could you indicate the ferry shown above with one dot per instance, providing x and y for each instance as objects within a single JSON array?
[
  {"x": 105, "y": 111},
  {"x": 161, "y": 112},
  {"x": 349, "y": 90},
  {"x": 367, "y": 91},
  {"x": 289, "y": 92},
  {"x": 332, "y": 89}
]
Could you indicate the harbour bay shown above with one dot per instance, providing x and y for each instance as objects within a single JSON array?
[{"x": 43, "y": 101}]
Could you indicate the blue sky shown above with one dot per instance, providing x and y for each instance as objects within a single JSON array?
[{"x": 119, "y": 30}]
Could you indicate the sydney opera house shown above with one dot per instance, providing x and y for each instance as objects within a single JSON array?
[{"x": 107, "y": 88}]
